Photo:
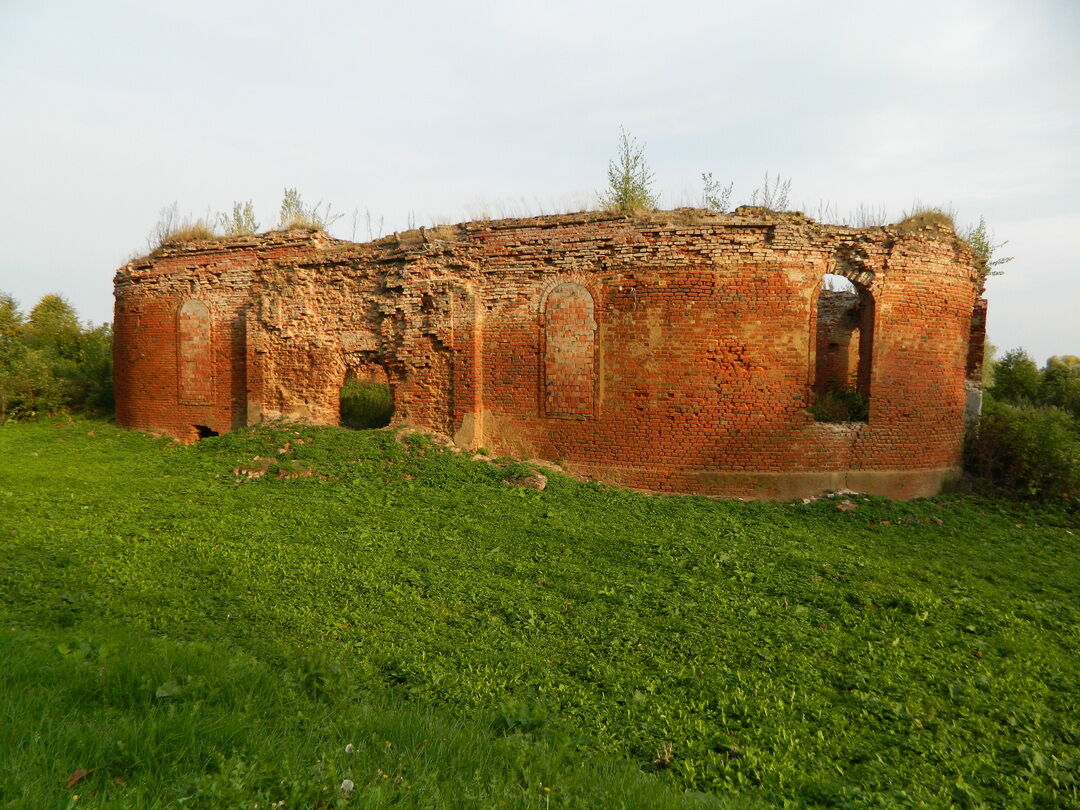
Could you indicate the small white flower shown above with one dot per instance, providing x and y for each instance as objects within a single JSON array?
[
  {"x": 350, "y": 749},
  {"x": 347, "y": 786}
]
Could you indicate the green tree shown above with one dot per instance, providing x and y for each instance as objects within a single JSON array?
[
  {"x": 1017, "y": 379},
  {"x": 1032, "y": 451},
  {"x": 1070, "y": 361},
  {"x": 629, "y": 178},
  {"x": 29, "y": 386},
  {"x": 53, "y": 326},
  {"x": 1061, "y": 384},
  {"x": 11, "y": 323},
  {"x": 12, "y": 354},
  {"x": 50, "y": 362},
  {"x": 94, "y": 370}
]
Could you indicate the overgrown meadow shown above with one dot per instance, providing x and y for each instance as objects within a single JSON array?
[{"x": 405, "y": 627}]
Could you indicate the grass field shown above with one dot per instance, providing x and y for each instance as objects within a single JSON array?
[{"x": 176, "y": 635}]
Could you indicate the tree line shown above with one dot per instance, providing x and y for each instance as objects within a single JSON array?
[
  {"x": 51, "y": 362},
  {"x": 1027, "y": 440}
]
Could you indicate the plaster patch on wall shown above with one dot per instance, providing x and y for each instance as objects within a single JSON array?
[
  {"x": 569, "y": 352},
  {"x": 196, "y": 365}
]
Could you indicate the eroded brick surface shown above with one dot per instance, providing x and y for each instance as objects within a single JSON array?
[{"x": 677, "y": 352}]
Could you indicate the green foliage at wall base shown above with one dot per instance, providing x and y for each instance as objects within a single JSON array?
[{"x": 1032, "y": 451}]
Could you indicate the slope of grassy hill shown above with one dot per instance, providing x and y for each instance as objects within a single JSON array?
[{"x": 210, "y": 626}]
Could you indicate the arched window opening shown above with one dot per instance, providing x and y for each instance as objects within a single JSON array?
[
  {"x": 195, "y": 354},
  {"x": 569, "y": 367},
  {"x": 843, "y": 349},
  {"x": 366, "y": 400}
]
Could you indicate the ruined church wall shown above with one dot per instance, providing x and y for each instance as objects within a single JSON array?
[
  {"x": 706, "y": 352},
  {"x": 154, "y": 390},
  {"x": 665, "y": 355}
]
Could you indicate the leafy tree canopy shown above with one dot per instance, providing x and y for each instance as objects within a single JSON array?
[{"x": 1016, "y": 378}]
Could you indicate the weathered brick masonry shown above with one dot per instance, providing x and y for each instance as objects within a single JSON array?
[{"x": 674, "y": 352}]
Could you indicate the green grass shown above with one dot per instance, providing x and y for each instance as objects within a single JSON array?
[
  {"x": 158, "y": 723},
  {"x": 181, "y": 634}
]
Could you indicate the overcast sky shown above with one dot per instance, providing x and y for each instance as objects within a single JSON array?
[{"x": 422, "y": 111}]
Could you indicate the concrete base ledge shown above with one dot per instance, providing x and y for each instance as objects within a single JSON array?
[
  {"x": 773, "y": 486},
  {"x": 783, "y": 486}
]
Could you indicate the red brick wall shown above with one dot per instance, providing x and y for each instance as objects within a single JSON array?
[{"x": 672, "y": 353}]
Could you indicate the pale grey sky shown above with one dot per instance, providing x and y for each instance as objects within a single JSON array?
[{"x": 112, "y": 110}]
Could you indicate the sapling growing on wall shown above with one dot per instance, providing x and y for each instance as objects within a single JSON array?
[
  {"x": 775, "y": 196},
  {"x": 714, "y": 196},
  {"x": 292, "y": 210},
  {"x": 241, "y": 221},
  {"x": 295, "y": 214},
  {"x": 981, "y": 240},
  {"x": 629, "y": 178}
]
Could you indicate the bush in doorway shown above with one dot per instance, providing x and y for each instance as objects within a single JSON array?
[
  {"x": 840, "y": 404},
  {"x": 366, "y": 405}
]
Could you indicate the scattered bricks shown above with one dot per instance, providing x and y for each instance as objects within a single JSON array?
[
  {"x": 676, "y": 353},
  {"x": 535, "y": 481},
  {"x": 256, "y": 469},
  {"x": 295, "y": 469}
]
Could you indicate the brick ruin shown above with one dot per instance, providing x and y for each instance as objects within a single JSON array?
[{"x": 678, "y": 351}]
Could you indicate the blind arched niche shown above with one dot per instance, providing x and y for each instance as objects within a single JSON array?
[
  {"x": 195, "y": 358},
  {"x": 569, "y": 367}
]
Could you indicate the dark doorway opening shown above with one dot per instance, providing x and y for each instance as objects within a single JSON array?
[
  {"x": 843, "y": 351},
  {"x": 366, "y": 399},
  {"x": 204, "y": 432}
]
